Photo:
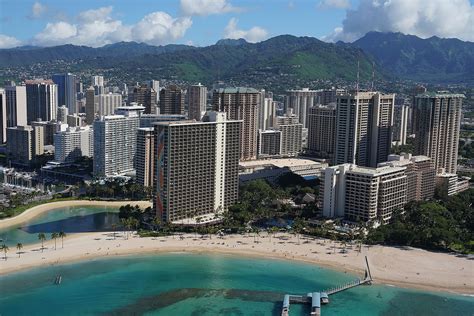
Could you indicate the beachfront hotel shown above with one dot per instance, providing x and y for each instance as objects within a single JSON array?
[
  {"x": 115, "y": 140},
  {"x": 196, "y": 168},
  {"x": 362, "y": 193}
]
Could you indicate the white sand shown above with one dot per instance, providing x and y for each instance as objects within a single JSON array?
[
  {"x": 37, "y": 210},
  {"x": 409, "y": 268}
]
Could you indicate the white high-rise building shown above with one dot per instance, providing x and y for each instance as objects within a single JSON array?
[
  {"x": 97, "y": 81},
  {"x": 400, "y": 124},
  {"x": 197, "y": 101},
  {"x": 196, "y": 183},
  {"x": 291, "y": 135},
  {"x": 3, "y": 117},
  {"x": 155, "y": 85},
  {"x": 115, "y": 139},
  {"x": 267, "y": 114},
  {"x": 62, "y": 114},
  {"x": 108, "y": 103},
  {"x": 73, "y": 143},
  {"x": 15, "y": 97},
  {"x": 299, "y": 101}
]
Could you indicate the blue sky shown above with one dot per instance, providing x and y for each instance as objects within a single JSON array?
[{"x": 203, "y": 22}]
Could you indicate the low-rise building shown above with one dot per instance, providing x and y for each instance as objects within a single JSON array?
[
  {"x": 448, "y": 184},
  {"x": 73, "y": 143},
  {"x": 271, "y": 169},
  {"x": 269, "y": 143},
  {"x": 363, "y": 193},
  {"x": 420, "y": 174}
]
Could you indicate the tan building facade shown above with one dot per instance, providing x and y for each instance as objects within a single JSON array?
[
  {"x": 364, "y": 124},
  {"x": 197, "y": 101},
  {"x": 436, "y": 124},
  {"x": 145, "y": 162},
  {"x": 196, "y": 168},
  {"x": 322, "y": 131},
  {"x": 24, "y": 144},
  {"x": 241, "y": 104}
]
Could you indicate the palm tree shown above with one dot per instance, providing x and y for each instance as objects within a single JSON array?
[
  {"x": 5, "y": 249},
  {"x": 157, "y": 221},
  {"x": 124, "y": 225},
  {"x": 273, "y": 231},
  {"x": 54, "y": 236},
  {"x": 19, "y": 246},
  {"x": 298, "y": 226},
  {"x": 114, "y": 227},
  {"x": 198, "y": 222},
  {"x": 62, "y": 235},
  {"x": 42, "y": 237}
]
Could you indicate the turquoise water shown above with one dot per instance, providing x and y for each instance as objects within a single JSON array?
[
  {"x": 189, "y": 284},
  {"x": 72, "y": 219}
]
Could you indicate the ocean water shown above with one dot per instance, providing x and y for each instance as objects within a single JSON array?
[
  {"x": 72, "y": 219},
  {"x": 200, "y": 285}
]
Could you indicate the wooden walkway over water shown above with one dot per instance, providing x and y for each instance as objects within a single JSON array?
[{"x": 318, "y": 298}]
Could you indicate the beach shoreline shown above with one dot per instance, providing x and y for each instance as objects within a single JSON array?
[
  {"x": 42, "y": 208},
  {"x": 437, "y": 272},
  {"x": 404, "y": 266}
]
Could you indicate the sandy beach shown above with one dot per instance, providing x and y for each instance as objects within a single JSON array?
[
  {"x": 408, "y": 267},
  {"x": 37, "y": 210}
]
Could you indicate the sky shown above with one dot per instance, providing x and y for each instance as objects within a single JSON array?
[{"x": 203, "y": 22}]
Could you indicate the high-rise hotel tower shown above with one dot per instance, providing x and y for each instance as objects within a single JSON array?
[
  {"x": 436, "y": 125},
  {"x": 196, "y": 168}
]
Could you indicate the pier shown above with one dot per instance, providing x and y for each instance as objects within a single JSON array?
[
  {"x": 322, "y": 297},
  {"x": 58, "y": 279}
]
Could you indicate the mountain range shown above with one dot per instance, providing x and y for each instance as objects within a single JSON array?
[{"x": 282, "y": 58}]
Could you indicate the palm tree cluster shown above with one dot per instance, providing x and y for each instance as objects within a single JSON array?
[{"x": 128, "y": 224}]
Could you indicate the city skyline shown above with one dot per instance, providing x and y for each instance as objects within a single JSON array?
[{"x": 203, "y": 22}]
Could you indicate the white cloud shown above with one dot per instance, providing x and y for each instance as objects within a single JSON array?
[
  {"x": 37, "y": 10},
  {"x": 159, "y": 28},
  {"x": 207, "y": 7},
  {"x": 334, "y": 4},
  {"x": 93, "y": 15},
  {"x": 453, "y": 18},
  {"x": 97, "y": 28},
  {"x": 8, "y": 41},
  {"x": 255, "y": 34},
  {"x": 56, "y": 34}
]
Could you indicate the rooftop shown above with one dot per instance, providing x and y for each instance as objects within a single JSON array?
[
  {"x": 375, "y": 171},
  {"x": 237, "y": 90},
  {"x": 39, "y": 81},
  {"x": 280, "y": 163},
  {"x": 440, "y": 95}
]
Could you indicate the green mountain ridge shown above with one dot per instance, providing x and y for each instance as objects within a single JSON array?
[
  {"x": 281, "y": 60},
  {"x": 409, "y": 57}
]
